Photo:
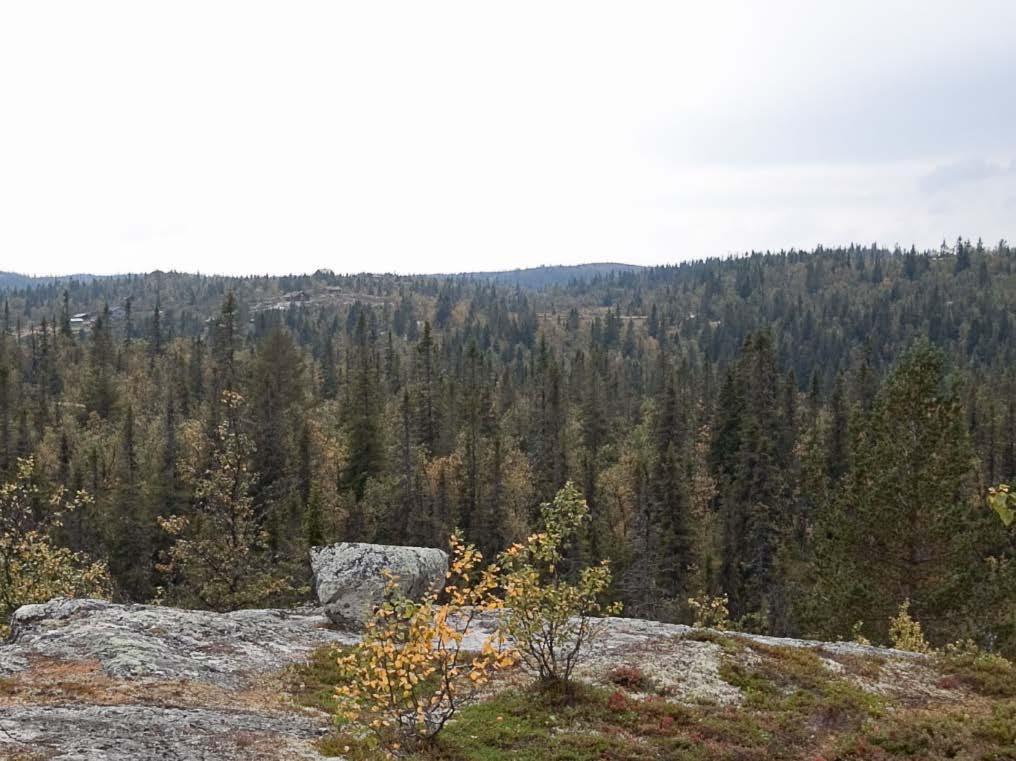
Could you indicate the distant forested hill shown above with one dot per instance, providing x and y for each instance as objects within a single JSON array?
[
  {"x": 542, "y": 277},
  {"x": 13, "y": 280},
  {"x": 809, "y": 434}
]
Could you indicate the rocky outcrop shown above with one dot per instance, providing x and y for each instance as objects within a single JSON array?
[
  {"x": 133, "y": 732},
  {"x": 89, "y": 680},
  {"x": 86, "y": 680},
  {"x": 134, "y": 641},
  {"x": 349, "y": 577}
]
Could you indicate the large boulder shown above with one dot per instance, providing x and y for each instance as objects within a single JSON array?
[{"x": 350, "y": 583}]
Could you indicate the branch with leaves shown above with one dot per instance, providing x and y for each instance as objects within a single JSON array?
[
  {"x": 1003, "y": 501},
  {"x": 550, "y": 618},
  {"x": 33, "y": 567},
  {"x": 412, "y": 670}
]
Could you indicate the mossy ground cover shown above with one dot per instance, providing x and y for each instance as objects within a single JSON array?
[
  {"x": 311, "y": 684},
  {"x": 982, "y": 673},
  {"x": 794, "y": 707}
]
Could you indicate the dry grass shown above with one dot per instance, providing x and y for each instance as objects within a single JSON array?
[{"x": 52, "y": 681}]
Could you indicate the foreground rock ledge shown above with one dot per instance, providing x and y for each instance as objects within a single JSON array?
[
  {"x": 136, "y": 641},
  {"x": 89, "y": 680}
]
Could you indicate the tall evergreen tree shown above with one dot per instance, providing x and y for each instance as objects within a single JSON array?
[
  {"x": 901, "y": 526},
  {"x": 129, "y": 529},
  {"x": 364, "y": 434}
]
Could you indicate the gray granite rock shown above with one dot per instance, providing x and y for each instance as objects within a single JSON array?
[
  {"x": 133, "y": 732},
  {"x": 133, "y": 641},
  {"x": 350, "y": 583},
  {"x": 225, "y": 655}
]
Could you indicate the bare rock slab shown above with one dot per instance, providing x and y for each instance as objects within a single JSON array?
[
  {"x": 133, "y": 641},
  {"x": 133, "y": 732},
  {"x": 349, "y": 578}
]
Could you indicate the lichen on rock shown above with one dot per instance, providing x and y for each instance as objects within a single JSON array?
[{"x": 349, "y": 580}]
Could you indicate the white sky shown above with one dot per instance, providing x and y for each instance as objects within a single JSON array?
[{"x": 432, "y": 136}]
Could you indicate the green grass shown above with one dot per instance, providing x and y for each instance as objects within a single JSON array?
[
  {"x": 935, "y": 734},
  {"x": 596, "y": 724},
  {"x": 729, "y": 644},
  {"x": 797, "y": 700},
  {"x": 983, "y": 673},
  {"x": 312, "y": 684},
  {"x": 794, "y": 707}
]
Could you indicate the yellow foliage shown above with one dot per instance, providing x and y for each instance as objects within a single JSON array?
[
  {"x": 710, "y": 611},
  {"x": 33, "y": 568},
  {"x": 1003, "y": 501},
  {"x": 411, "y": 670},
  {"x": 415, "y": 665},
  {"x": 906, "y": 633}
]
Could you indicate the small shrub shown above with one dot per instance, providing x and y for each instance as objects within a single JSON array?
[
  {"x": 985, "y": 673},
  {"x": 756, "y": 623},
  {"x": 410, "y": 673},
  {"x": 1002, "y": 500},
  {"x": 906, "y": 633},
  {"x": 727, "y": 643},
  {"x": 551, "y": 619},
  {"x": 630, "y": 678},
  {"x": 33, "y": 567},
  {"x": 1000, "y": 727},
  {"x": 710, "y": 612},
  {"x": 857, "y": 634},
  {"x": 617, "y": 701},
  {"x": 312, "y": 683}
]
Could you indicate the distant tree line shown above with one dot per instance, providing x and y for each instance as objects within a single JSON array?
[{"x": 810, "y": 434}]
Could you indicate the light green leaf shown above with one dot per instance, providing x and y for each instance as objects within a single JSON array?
[{"x": 1002, "y": 503}]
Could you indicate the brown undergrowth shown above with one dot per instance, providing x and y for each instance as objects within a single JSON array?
[{"x": 53, "y": 681}]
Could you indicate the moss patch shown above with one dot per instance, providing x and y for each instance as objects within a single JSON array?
[
  {"x": 982, "y": 673},
  {"x": 796, "y": 705},
  {"x": 311, "y": 684},
  {"x": 934, "y": 734}
]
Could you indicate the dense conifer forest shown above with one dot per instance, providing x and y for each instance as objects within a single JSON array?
[{"x": 810, "y": 434}]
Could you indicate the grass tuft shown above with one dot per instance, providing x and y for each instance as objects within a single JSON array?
[
  {"x": 312, "y": 683},
  {"x": 984, "y": 673}
]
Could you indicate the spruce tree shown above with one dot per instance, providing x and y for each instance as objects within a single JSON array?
[
  {"x": 901, "y": 526},
  {"x": 363, "y": 430}
]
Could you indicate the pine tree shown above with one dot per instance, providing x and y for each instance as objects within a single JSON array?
[
  {"x": 594, "y": 433},
  {"x": 670, "y": 503},
  {"x": 220, "y": 557},
  {"x": 425, "y": 382},
  {"x": 130, "y": 526},
  {"x": 155, "y": 340},
  {"x": 6, "y": 408},
  {"x": 838, "y": 436},
  {"x": 364, "y": 434},
  {"x": 276, "y": 399},
  {"x": 753, "y": 492},
  {"x": 901, "y": 528},
  {"x": 224, "y": 346},
  {"x": 101, "y": 392},
  {"x": 65, "y": 316}
]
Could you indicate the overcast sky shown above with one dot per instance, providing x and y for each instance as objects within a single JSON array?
[{"x": 431, "y": 136}]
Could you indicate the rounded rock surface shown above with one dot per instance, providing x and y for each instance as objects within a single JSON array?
[{"x": 349, "y": 577}]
